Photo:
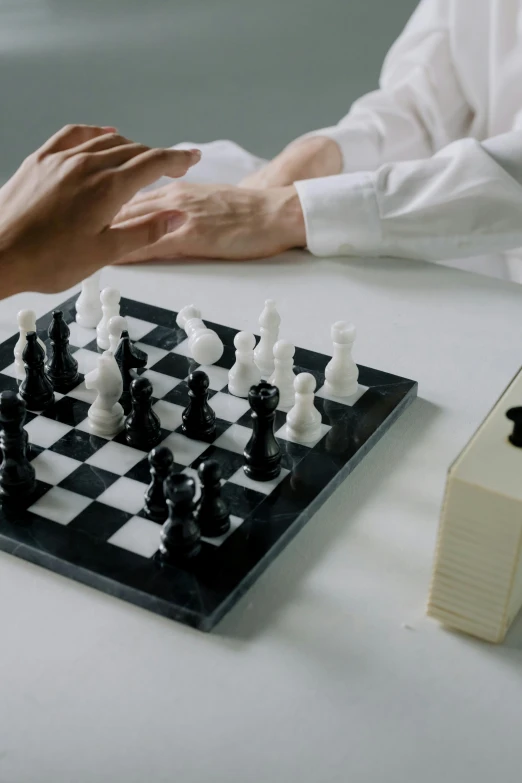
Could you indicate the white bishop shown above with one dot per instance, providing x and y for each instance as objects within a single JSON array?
[
  {"x": 283, "y": 376},
  {"x": 110, "y": 302},
  {"x": 88, "y": 307},
  {"x": 269, "y": 323},
  {"x": 105, "y": 414},
  {"x": 26, "y": 323}
]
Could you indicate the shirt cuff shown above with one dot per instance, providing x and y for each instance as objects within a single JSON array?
[
  {"x": 357, "y": 145},
  {"x": 341, "y": 215}
]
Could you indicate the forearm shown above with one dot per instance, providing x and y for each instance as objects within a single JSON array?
[{"x": 464, "y": 201}]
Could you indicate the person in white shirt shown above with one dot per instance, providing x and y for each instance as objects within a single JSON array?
[{"x": 428, "y": 166}]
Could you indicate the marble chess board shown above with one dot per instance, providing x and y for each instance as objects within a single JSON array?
[{"x": 86, "y": 518}]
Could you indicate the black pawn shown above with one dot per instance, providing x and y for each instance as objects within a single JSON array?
[
  {"x": 62, "y": 368},
  {"x": 262, "y": 453},
  {"x": 36, "y": 390},
  {"x": 212, "y": 514},
  {"x": 17, "y": 475},
  {"x": 129, "y": 358},
  {"x": 142, "y": 425},
  {"x": 515, "y": 415},
  {"x": 199, "y": 420},
  {"x": 180, "y": 535},
  {"x": 160, "y": 461}
]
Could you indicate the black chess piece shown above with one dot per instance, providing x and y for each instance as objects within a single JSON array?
[
  {"x": 199, "y": 420},
  {"x": 142, "y": 425},
  {"x": 17, "y": 475},
  {"x": 160, "y": 461},
  {"x": 262, "y": 452},
  {"x": 62, "y": 367},
  {"x": 180, "y": 535},
  {"x": 36, "y": 390},
  {"x": 515, "y": 415},
  {"x": 129, "y": 358},
  {"x": 212, "y": 514}
]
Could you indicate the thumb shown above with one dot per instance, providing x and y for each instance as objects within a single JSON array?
[{"x": 132, "y": 235}]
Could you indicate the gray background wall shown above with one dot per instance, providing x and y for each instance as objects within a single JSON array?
[{"x": 258, "y": 71}]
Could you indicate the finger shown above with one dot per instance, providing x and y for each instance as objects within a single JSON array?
[
  {"x": 72, "y": 135},
  {"x": 116, "y": 156},
  {"x": 137, "y": 209},
  {"x": 99, "y": 143},
  {"x": 150, "y": 166},
  {"x": 135, "y": 235}
]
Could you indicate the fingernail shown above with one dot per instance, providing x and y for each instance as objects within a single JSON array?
[
  {"x": 195, "y": 153},
  {"x": 109, "y": 128},
  {"x": 175, "y": 221}
]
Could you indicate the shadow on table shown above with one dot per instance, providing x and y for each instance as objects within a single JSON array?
[{"x": 283, "y": 580}]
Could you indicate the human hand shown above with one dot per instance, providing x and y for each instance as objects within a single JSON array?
[
  {"x": 56, "y": 211},
  {"x": 315, "y": 156},
  {"x": 221, "y": 221}
]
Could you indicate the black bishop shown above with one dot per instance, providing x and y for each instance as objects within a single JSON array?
[
  {"x": 62, "y": 367},
  {"x": 36, "y": 390}
]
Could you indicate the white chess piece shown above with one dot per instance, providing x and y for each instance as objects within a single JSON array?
[
  {"x": 303, "y": 422},
  {"x": 245, "y": 372},
  {"x": 283, "y": 376},
  {"x": 269, "y": 322},
  {"x": 26, "y": 323},
  {"x": 110, "y": 302},
  {"x": 341, "y": 371},
  {"x": 205, "y": 345},
  {"x": 105, "y": 414},
  {"x": 117, "y": 325},
  {"x": 88, "y": 307}
]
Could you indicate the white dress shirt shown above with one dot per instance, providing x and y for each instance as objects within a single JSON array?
[{"x": 432, "y": 159}]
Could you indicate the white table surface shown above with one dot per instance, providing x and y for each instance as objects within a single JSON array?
[{"x": 327, "y": 670}]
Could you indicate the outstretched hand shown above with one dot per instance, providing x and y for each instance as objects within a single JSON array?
[
  {"x": 221, "y": 221},
  {"x": 56, "y": 211}
]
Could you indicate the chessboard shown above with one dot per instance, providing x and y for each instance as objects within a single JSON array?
[{"x": 86, "y": 519}]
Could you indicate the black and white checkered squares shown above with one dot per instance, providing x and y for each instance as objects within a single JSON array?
[{"x": 86, "y": 518}]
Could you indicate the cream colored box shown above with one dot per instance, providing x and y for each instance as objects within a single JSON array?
[{"x": 477, "y": 576}]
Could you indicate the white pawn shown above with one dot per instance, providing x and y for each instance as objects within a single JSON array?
[
  {"x": 341, "y": 371},
  {"x": 283, "y": 376},
  {"x": 105, "y": 414},
  {"x": 204, "y": 344},
  {"x": 88, "y": 307},
  {"x": 117, "y": 325},
  {"x": 244, "y": 373},
  {"x": 26, "y": 323},
  {"x": 110, "y": 302},
  {"x": 269, "y": 322},
  {"x": 303, "y": 422}
]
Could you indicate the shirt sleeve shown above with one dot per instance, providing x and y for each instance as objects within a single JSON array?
[
  {"x": 463, "y": 201},
  {"x": 419, "y": 107}
]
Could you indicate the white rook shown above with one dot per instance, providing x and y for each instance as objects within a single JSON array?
[
  {"x": 204, "y": 344},
  {"x": 341, "y": 371}
]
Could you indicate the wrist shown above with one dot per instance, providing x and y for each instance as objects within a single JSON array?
[
  {"x": 10, "y": 273},
  {"x": 288, "y": 217},
  {"x": 311, "y": 157}
]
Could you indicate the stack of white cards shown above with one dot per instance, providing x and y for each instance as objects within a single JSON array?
[{"x": 477, "y": 576}]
